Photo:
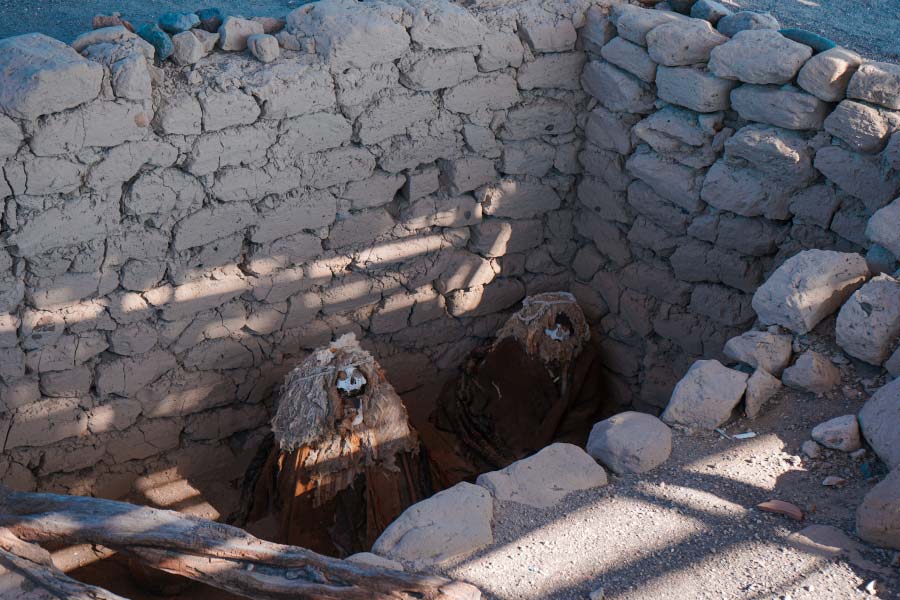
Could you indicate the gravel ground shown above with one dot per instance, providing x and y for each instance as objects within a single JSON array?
[
  {"x": 690, "y": 529},
  {"x": 871, "y": 27},
  {"x": 66, "y": 19}
]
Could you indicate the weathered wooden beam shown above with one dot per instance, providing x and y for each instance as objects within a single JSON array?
[{"x": 217, "y": 554}]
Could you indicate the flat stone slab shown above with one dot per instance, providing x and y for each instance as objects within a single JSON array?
[{"x": 545, "y": 478}]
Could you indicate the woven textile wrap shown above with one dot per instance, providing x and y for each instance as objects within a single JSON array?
[{"x": 550, "y": 326}]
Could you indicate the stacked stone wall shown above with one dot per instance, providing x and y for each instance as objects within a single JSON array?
[
  {"x": 178, "y": 235},
  {"x": 176, "y": 238},
  {"x": 709, "y": 159}
]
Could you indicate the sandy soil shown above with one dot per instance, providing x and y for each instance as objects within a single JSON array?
[{"x": 690, "y": 529}]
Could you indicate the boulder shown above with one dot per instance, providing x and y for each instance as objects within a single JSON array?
[
  {"x": 159, "y": 39},
  {"x": 839, "y": 433},
  {"x": 860, "y": 175},
  {"x": 188, "y": 49},
  {"x": 813, "y": 372},
  {"x": 235, "y": 31},
  {"x": 760, "y": 388},
  {"x": 784, "y": 106},
  {"x": 878, "y": 420},
  {"x": 210, "y": 19},
  {"x": 878, "y": 517},
  {"x": 761, "y": 350},
  {"x": 827, "y": 75},
  {"x": 694, "y": 88},
  {"x": 173, "y": 22},
  {"x": 616, "y": 89},
  {"x": 884, "y": 227},
  {"x": 868, "y": 325},
  {"x": 634, "y": 23},
  {"x": 808, "y": 287},
  {"x": 731, "y": 25},
  {"x": 41, "y": 76},
  {"x": 705, "y": 396},
  {"x": 449, "y": 524},
  {"x": 630, "y": 57},
  {"x": 877, "y": 82},
  {"x": 709, "y": 10},
  {"x": 542, "y": 480},
  {"x": 760, "y": 56},
  {"x": 683, "y": 43},
  {"x": 630, "y": 442}
]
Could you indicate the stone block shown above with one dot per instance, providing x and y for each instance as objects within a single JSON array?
[
  {"x": 610, "y": 130},
  {"x": 812, "y": 372},
  {"x": 47, "y": 422},
  {"x": 235, "y": 31},
  {"x": 232, "y": 147},
  {"x": 227, "y": 109},
  {"x": 760, "y": 56},
  {"x": 878, "y": 421},
  {"x": 868, "y": 324},
  {"x": 598, "y": 30},
  {"x": 10, "y": 137},
  {"x": 514, "y": 199},
  {"x": 495, "y": 238},
  {"x": 441, "y": 211},
  {"x": 347, "y": 35},
  {"x": 630, "y": 442},
  {"x": 694, "y": 88},
  {"x": 808, "y": 287},
  {"x": 191, "y": 298},
  {"x": 556, "y": 71},
  {"x": 721, "y": 304},
  {"x": 422, "y": 182},
  {"x": 546, "y": 32},
  {"x": 709, "y": 10},
  {"x": 43, "y": 76},
  {"x": 684, "y": 43},
  {"x": 494, "y": 91},
  {"x": 485, "y": 300},
  {"x": 675, "y": 182},
  {"x": 452, "y": 523},
  {"x": 860, "y": 175},
  {"x": 466, "y": 174},
  {"x": 178, "y": 114},
  {"x": 543, "y": 116},
  {"x": 361, "y": 229},
  {"x": 443, "y": 25},
  {"x": 89, "y": 217},
  {"x": 377, "y": 190},
  {"x": 785, "y": 106},
  {"x": 877, "y": 82},
  {"x": 779, "y": 155},
  {"x": 615, "y": 89},
  {"x": 681, "y": 135},
  {"x": 705, "y": 396},
  {"x": 212, "y": 223},
  {"x": 529, "y": 157},
  {"x": 884, "y": 227},
  {"x": 500, "y": 49},
  {"x": 290, "y": 89},
  {"x": 860, "y": 126},
  {"x": 634, "y": 23},
  {"x": 545, "y": 478},
  {"x": 430, "y": 72},
  {"x": 131, "y": 78},
  {"x": 827, "y": 74},
  {"x": 745, "y": 192},
  {"x": 630, "y": 57},
  {"x": 744, "y": 20}
]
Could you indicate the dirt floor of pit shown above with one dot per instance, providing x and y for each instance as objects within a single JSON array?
[{"x": 690, "y": 529}]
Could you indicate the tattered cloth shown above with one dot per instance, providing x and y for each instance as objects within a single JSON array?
[
  {"x": 540, "y": 380},
  {"x": 345, "y": 462}
]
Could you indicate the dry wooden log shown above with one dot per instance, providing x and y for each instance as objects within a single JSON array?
[
  {"x": 27, "y": 573},
  {"x": 219, "y": 555}
]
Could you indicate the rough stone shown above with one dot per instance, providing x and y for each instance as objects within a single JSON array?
[
  {"x": 694, "y": 88},
  {"x": 760, "y": 56},
  {"x": 631, "y": 58},
  {"x": 868, "y": 323},
  {"x": 877, "y": 82},
  {"x": 710, "y": 11},
  {"x": 264, "y": 47},
  {"x": 839, "y": 433},
  {"x": 634, "y": 23},
  {"x": 544, "y": 32},
  {"x": 827, "y": 75},
  {"x": 235, "y": 31},
  {"x": 630, "y": 442},
  {"x": 761, "y": 349},
  {"x": 493, "y": 91},
  {"x": 518, "y": 199},
  {"x": 808, "y": 287},
  {"x": 615, "y": 89},
  {"x": 435, "y": 71},
  {"x": 878, "y": 420},
  {"x": 731, "y": 25},
  {"x": 813, "y": 372},
  {"x": 877, "y": 520},
  {"x": 884, "y": 227},
  {"x": 558, "y": 70},
  {"x": 545, "y": 478},
  {"x": 785, "y": 106},
  {"x": 705, "y": 396},
  {"x": 684, "y": 43},
  {"x": 131, "y": 78},
  {"x": 859, "y": 175},
  {"x": 862, "y": 127},
  {"x": 188, "y": 49},
  {"x": 760, "y": 388},
  {"x": 450, "y": 524},
  {"x": 42, "y": 76}
]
